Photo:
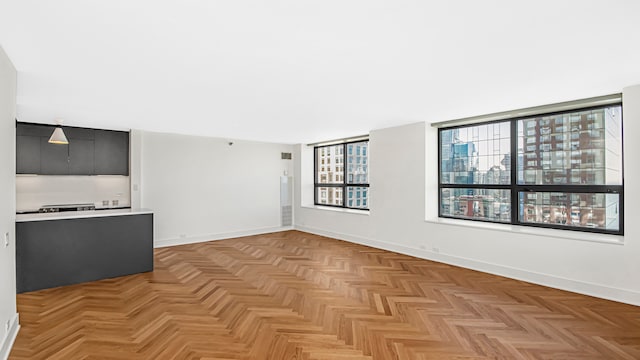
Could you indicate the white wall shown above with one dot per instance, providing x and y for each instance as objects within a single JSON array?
[
  {"x": 404, "y": 173},
  {"x": 7, "y": 204},
  {"x": 201, "y": 188}
]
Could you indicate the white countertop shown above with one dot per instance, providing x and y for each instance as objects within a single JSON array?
[{"x": 80, "y": 214}]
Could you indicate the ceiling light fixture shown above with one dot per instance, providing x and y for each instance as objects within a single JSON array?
[{"x": 58, "y": 136}]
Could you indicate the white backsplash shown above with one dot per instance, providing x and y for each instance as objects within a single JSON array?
[{"x": 34, "y": 191}]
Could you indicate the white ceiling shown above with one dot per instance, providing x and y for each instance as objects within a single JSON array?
[{"x": 302, "y": 71}]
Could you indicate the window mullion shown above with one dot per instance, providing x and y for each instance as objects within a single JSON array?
[
  {"x": 344, "y": 177},
  {"x": 315, "y": 175},
  {"x": 440, "y": 172},
  {"x": 515, "y": 208}
]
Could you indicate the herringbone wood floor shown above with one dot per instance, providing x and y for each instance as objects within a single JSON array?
[{"x": 294, "y": 295}]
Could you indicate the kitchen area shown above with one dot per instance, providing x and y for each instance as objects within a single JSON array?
[{"x": 74, "y": 221}]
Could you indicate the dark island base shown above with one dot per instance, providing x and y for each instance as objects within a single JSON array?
[{"x": 54, "y": 253}]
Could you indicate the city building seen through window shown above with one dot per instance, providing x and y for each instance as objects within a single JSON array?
[
  {"x": 561, "y": 170},
  {"x": 342, "y": 175}
]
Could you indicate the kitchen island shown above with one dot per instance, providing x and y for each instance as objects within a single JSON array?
[{"x": 57, "y": 249}]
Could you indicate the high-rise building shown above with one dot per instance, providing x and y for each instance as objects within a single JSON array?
[
  {"x": 357, "y": 173},
  {"x": 334, "y": 166},
  {"x": 570, "y": 148},
  {"x": 330, "y": 170},
  {"x": 475, "y": 156}
]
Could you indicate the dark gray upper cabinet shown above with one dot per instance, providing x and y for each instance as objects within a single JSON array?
[
  {"x": 81, "y": 157},
  {"x": 54, "y": 158},
  {"x": 90, "y": 151},
  {"x": 27, "y": 154},
  {"x": 112, "y": 152},
  {"x": 34, "y": 130},
  {"x": 79, "y": 133}
]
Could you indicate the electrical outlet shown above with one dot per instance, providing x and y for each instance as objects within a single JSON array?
[
  {"x": 6, "y": 239},
  {"x": 436, "y": 250},
  {"x": 6, "y": 327}
]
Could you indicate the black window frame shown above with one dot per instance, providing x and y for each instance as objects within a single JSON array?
[
  {"x": 344, "y": 185},
  {"x": 515, "y": 188}
]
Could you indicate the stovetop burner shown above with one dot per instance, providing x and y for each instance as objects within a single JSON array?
[{"x": 66, "y": 207}]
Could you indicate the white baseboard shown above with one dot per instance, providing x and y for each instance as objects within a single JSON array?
[
  {"x": 219, "y": 236},
  {"x": 10, "y": 337},
  {"x": 580, "y": 287}
]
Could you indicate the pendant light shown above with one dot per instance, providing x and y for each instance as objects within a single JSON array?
[{"x": 58, "y": 136}]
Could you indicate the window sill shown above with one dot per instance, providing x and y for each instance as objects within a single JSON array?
[
  {"x": 336, "y": 209},
  {"x": 561, "y": 234}
]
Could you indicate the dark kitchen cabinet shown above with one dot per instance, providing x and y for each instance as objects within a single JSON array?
[
  {"x": 81, "y": 157},
  {"x": 54, "y": 158},
  {"x": 111, "y": 152},
  {"x": 27, "y": 154},
  {"x": 79, "y": 133},
  {"x": 34, "y": 130},
  {"x": 90, "y": 151},
  {"x": 51, "y": 253}
]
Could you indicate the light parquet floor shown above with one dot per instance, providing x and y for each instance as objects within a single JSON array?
[{"x": 294, "y": 295}]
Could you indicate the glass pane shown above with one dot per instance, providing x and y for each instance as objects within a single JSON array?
[
  {"x": 484, "y": 204},
  {"x": 583, "y": 147},
  {"x": 329, "y": 195},
  {"x": 357, "y": 163},
  {"x": 357, "y": 197},
  {"x": 586, "y": 210},
  {"x": 476, "y": 155},
  {"x": 330, "y": 166}
]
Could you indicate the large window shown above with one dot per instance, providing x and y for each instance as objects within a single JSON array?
[
  {"x": 559, "y": 170},
  {"x": 342, "y": 175}
]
